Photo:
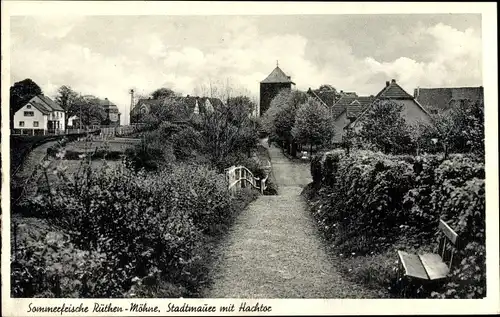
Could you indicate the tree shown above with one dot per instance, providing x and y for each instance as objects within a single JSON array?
[
  {"x": 20, "y": 93},
  {"x": 384, "y": 128},
  {"x": 280, "y": 116},
  {"x": 162, "y": 93},
  {"x": 67, "y": 99},
  {"x": 460, "y": 130},
  {"x": 327, "y": 87},
  {"x": 284, "y": 119},
  {"x": 228, "y": 133},
  {"x": 313, "y": 124},
  {"x": 89, "y": 110}
]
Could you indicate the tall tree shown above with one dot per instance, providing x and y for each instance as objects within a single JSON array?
[
  {"x": 385, "y": 129},
  {"x": 285, "y": 116},
  {"x": 161, "y": 93},
  {"x": 67, "y": 98},
  {"x": 459, "y": 130},
  {"x": 313, "y": 124},
  {"x": 20, "y": 93},
  {"x": 89, "y": 110}
]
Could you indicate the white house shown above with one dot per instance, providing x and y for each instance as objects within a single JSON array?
[{"x": 40, "y": 115}]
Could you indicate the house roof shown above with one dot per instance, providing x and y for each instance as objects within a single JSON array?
[
  {"x": 39, "y": 104},
  {"x": 189, "y": 104},
  {"x": 277, "y": 76},
  {"x": 44, "y": 104},
  {"x": 51, "y": 103},
  {"x": 442, "y": 98},
  {"x": 106, "y": 104},
  {"x": 327, "y": 97},
  {"x": 358, "y": 106},
  {"x": 353, "y": 105},
  {"x": 393, "y": 91},
  {"x": 148, "y": 102}
]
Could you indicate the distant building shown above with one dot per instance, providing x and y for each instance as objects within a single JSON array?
[
  {"x": 442, "y": 99},
  {"x": 346, "y": 110},
  {"x": 113, "y": 115},
  {"x": 325, "y": 97},
  {"x": 40, "y": 115},
  {"x": 271, "y": 86},
  {"x": 413, "y": 112},
  {"x": 188, "y": 106},
  {"x": 143, "y": 106}
]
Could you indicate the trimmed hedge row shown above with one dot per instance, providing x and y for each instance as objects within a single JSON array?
[{"x": 370, "y": 202}]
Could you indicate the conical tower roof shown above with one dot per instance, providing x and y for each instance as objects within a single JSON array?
[{"x": 277, "y": 76}]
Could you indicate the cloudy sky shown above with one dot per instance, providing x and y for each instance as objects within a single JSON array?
[{"x": 107, "y": 55}]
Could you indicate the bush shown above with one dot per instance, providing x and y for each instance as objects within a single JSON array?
[
  {"x": 150, "y": 227},
  {"x": 370, "y": 202}
]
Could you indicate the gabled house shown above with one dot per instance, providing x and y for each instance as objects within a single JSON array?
[
  {"x": 113, "y": 115},
  {"x": 144, "y": 106},
  {"x": 346, "y": 110},
  {"x": 439, "y": 100},
  {"x": 40, "y": 115},
  {"x": 190, "y": 106},
  {"x": 325, "y": 97},
  {"x": 412, "y": 111}
]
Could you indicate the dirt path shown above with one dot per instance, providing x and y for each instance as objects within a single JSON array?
[{"x": 273, "y": 250}]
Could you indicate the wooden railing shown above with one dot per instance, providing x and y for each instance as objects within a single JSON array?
[{"x": 240, "y": 177}]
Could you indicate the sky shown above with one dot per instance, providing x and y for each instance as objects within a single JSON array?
[{"x": 106, "y": 56}]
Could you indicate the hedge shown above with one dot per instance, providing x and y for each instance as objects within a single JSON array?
[
  {"x": 139, "y": 232},
  {"x": 371, "y": 202}
]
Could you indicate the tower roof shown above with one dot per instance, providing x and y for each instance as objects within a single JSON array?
[{"x": 278, "y": 76}]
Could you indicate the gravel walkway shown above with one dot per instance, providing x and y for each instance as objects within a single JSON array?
[{"x": 273, "y": 250}]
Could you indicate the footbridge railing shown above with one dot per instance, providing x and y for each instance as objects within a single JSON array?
[{"x": 241, "y": 177}]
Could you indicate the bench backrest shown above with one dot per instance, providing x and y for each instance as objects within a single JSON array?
[{"x": 449, "y": 235}]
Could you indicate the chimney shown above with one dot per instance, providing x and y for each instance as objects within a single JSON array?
[
  {"x": 386, "y": 84},
  {"x": 393, "y": 81}
]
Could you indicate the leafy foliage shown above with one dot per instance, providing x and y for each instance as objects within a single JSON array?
[
  {"x": 20, "y": 93},
  {"x": 67, "y": 99},
  {"x": 368, "y": 202},
  {"x": 135, "y": 230},
  {"x": 384, "y": 128},
  {"x": 460, "y": 130},
  {"x": 313, "y": 124},
  {"x": 161, "y": 93}
]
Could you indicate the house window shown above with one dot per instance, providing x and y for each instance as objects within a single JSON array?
[
  {"x": 35, "y": 124},
  {"x": 21, "y": 123},
  {"x": 28, "y": 107},
  {"x": 29, "y": 113}
]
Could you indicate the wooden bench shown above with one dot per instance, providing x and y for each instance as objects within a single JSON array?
[{"x": 430, "y": 266}]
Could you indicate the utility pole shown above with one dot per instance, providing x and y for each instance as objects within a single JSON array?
[{"x": 131, "y": 105}]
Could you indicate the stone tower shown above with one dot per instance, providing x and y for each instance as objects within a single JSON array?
[{"x": 271, "y": 86}]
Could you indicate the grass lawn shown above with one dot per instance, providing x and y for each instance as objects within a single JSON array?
[{"x": 112, "y": 145}]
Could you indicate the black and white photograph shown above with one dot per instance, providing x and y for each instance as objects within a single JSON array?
[{"x": 149, "y": 155}]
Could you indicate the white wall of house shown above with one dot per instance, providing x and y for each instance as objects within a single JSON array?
[
  {"x": 58, "y": 116},
  {"x": 28, "y": 117},
  {"x": 72, "y": 121},
  {"x": 339, "y": 125},
  {"x": 411, "y": 112}
]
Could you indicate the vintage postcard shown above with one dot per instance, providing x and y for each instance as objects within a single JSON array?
[{"x": 245, "y": 158}]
